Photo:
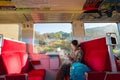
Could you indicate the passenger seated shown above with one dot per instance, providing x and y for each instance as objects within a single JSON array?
[{"x": 76, "y": 56}]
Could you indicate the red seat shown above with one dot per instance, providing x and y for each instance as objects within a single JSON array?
[
  {"x": 15, "y": 64},
  {"x": 96, "y": 56}
]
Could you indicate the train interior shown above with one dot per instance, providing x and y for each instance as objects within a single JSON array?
[{"x": 35, "y": 37}]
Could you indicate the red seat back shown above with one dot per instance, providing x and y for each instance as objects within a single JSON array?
[
  {"x": 96, "y": 54},
  {"x": 12, "y": 62},
  {"x": 14, "y": 58}
]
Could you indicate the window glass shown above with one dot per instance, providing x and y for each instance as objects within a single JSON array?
[
  {"x": 96, "y": 30},
  {"x": 52, "y": 38}
]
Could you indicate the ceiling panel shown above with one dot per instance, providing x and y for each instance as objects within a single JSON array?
[
  {"x": 22, "y": 11},
  {"x": 95, "y": 17},
  {"x": 51, "y": 4},
  {"x": 51, "y": 17},
  {"x": 39, "y": 16},
  {"x": 30, "y": 3},
  {"x": 40, "y": 10}
]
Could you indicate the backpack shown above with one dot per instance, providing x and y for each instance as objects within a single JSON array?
[{"x": 77, "y": 71}]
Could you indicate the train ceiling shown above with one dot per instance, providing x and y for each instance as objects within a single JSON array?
[{"x": 37, "y": 11}]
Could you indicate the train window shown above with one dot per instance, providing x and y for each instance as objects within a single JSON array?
[
  {"x": 95, "y": 30},
  {"x": 52, "y": 37}
]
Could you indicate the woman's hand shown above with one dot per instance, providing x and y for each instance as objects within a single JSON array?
[{"x": 69, "y": 55}]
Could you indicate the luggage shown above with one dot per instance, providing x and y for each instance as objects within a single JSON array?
[{"x": 77, "y": 71}]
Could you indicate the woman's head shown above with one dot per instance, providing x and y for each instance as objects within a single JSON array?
[{"x": 74, "y": 44}]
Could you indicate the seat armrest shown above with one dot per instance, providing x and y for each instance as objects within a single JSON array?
[
  {"x": 118, "y": 62},
  {"x": 112, "y": 76},
  {"x": 2, "y": 77},
  {"x": 95, "y": 75},
  {"x": 37, "y": 72},
  {"x": 17, "y": 77},
  {"x": 35, "y": 62}
]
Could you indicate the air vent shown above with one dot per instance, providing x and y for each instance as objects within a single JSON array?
[{"x": 28, "y": 25}]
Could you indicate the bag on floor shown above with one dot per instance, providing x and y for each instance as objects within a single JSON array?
[{"x": 77, "y": 71}]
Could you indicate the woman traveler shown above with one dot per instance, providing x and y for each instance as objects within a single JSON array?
[{"x": 76, "y": 56}]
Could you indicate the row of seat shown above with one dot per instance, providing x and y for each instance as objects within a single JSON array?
[
  {"x": 97, "y": 57},
  {"x": 15, "y": 63}
]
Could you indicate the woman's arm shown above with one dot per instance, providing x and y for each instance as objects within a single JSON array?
[{"x": 77, "y": 56}]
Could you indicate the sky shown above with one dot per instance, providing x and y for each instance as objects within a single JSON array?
[
  {"x": 53, "y": 27},
  {"x": 90, "y": 25},
  {"x": 65, "y": 27}
]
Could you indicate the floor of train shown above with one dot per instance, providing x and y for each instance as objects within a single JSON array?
[{"x": 51, "y": 74}]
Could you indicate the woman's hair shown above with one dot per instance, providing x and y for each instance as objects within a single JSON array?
[{"x": 74, "y": 42}]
